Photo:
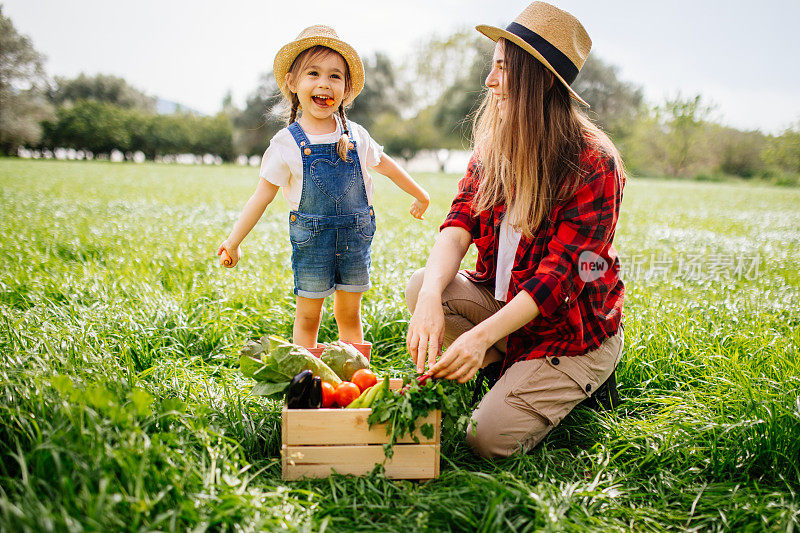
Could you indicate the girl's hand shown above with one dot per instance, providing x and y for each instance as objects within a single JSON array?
[
  {"x": 229, "y": 255},
  {"x": 426, "y": 332},
  {"x": 419, "y": 207},
  {"x": 463, "y": 358}
]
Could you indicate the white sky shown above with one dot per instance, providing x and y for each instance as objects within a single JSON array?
[{"x": 742, "y": 56}]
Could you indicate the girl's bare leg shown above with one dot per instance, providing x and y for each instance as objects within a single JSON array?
[
  {"x": 306, "y": 321},
  {"x": 347, "y": 311}
]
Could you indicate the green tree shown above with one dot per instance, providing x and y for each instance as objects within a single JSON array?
[
  {"x": 90, "y": 125},
  {"x": 171, "y": 134},
  {"x": 783, "y": 151},
  {"x": 214, "y": 135},
  {"x": 683, "y": 122},
  {"x": 737, "y": 153},
  {"x": 615, "y": 105},
  {"x": 455, "y": 109},
  {"x": 261, "y": 118},
  {"x": 442, "y": 62},
  {"x": 381, "y": 94},
  {"x": 22, "y": 79},
  {"x": 102, "y": 88},
  {"x": 454, "y": 69},
  {"x": 405, "y": 138}
]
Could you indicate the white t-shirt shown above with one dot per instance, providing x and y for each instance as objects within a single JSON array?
[
  {"x": 507, "y": 244},
  {"x": 282, "y": 164}
]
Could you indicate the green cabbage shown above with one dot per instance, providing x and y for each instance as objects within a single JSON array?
[
  {"x": 273, "y": 362},
  {"x": 344, "y": 359}
]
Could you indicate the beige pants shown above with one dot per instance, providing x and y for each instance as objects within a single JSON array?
[{"x": 531, "y": 397}]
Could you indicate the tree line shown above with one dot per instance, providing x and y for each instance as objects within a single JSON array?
[{"x": 424, "y": 102}]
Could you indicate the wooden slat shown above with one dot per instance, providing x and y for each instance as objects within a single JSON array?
[
  {"x": 284, "y": 436},
  {"x": 345, "y": 426},
  {"x": 410, "y": 461},
  {"x": 437, "y": 436}
]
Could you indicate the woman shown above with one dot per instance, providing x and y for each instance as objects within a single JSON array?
[{"x": 540, "y": 200}]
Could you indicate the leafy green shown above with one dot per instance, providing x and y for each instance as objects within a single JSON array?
[
  {"x": 263, "y": 388},
  {"x": 292, "y": 359},
  {"x": 250, "y": 366},
  {"x": 273, "y": 362},
  {"x": 270, "y": 371},
  {"x": 401, "y": 411},
  {"x": 344, "y": 359}
]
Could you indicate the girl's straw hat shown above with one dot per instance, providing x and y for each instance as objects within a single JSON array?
[
  {"x": 552, "y": 36},
  {"x": 323, "y": 36}
]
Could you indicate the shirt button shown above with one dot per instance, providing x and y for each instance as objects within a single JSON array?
[
  {"x": 555, "y": 361},
  {"x": 588, "y": 387},
  {"x": 307, "y": 151},
  {"x": 566, "y": 300}
]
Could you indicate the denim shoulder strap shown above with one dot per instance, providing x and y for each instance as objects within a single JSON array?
[{"x": 298, "y": 134}]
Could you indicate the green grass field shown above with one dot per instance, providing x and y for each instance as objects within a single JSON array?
[{"x": 122, "y": 407}]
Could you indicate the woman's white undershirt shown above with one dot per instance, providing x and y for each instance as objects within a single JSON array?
[{"x": 508, "y": 242}]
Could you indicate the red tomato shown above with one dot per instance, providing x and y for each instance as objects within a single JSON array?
[
  {"x": 364, "y": 379},
  {"x": 345, "y": 393},
  {"x": 328, "y": 394}
]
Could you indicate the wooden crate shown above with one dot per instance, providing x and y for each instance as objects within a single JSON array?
[{"x": 316, "y": 442}]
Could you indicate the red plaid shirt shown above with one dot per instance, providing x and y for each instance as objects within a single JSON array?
[{"x": 579, "y": 308}]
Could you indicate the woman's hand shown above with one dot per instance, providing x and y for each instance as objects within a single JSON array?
[
  {"x": 463, "y": 358},
  {"x": 419, "y": 207},
  {"x": 229, "y": 255},
  {"x": 426, "y": 332}
]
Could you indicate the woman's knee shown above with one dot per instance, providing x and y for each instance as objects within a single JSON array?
[
  {"x": 491, "y": 438},
  {"x": 488, "y": 440},
  {"x": 412, "y": 288},
  {"x": 501, "y": 426},
  {"x": 484, "y": 442}
]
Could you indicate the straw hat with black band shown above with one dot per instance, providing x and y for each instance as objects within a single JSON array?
[
  {"x": 551, "y": 35},
  {"x": 322, "y": 36}
]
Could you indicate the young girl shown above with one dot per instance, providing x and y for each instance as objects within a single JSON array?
[
  {"x": 321, "y": 163},
  {"x": 540, "y": 198}
]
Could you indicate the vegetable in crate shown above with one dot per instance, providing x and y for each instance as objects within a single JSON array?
[
  {"x": 400, "y": 410},
  {"x": 346, "y": 393},
  {"x": 315, "y": 398},
  {"x": 328, "y": 395},
  {"x": 343, "y": 359},
  {"x": 298, "y": 396},
  {"x": 371, "y": 395},
  {"x": 273, "y": 362},
  {"x": 364, "y": 379}
]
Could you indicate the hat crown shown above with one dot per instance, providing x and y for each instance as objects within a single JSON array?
[
  {"x": 559, "y": 28},
  {"x": 318, "y": 30}
]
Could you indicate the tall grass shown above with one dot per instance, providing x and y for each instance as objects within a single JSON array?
[{"x": 121, "y": 406}]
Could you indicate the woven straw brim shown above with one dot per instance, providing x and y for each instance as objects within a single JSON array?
[
  {"x": 495, "y": 33},
  {"x": 287, "y": 55}
]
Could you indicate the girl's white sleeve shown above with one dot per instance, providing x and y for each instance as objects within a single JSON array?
[
  {"x": 274, "y": 167},
  {"x": 373, "y": 151}
]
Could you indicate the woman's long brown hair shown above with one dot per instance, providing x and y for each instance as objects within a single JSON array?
[
  {"x": 302, "y": 59},
  {"x": 531, "y": 156}
]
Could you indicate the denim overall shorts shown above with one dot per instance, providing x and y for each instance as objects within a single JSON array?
[{"x": 331, "y": 230}]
